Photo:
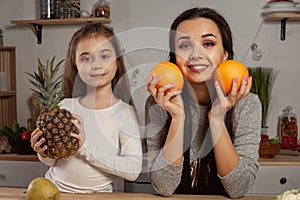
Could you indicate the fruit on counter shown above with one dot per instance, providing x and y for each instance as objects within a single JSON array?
[
  {"x": 268, "y": 148},
  {"x": 26, "y": 135},
  {"x": 293, "y": 194},
  {"x": 227, "y": 71},
  {"x": 55, "y": 122},
  {"x": 42, "y": 189},
  {"x": 264, "y": 137},
  {"x": 170, "y": 73}
]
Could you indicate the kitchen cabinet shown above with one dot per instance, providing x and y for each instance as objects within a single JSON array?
[
  {"x": 19, "y": 170},
  {"x": 274, "y": 176},
  {"x": 8, "y": 88},
  {"x": 39, "y": 23},
  {"x": 277, "y": 175},
  {"x": 272, "y": 180}
]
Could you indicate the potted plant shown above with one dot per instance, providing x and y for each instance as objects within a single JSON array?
[
  {"x": 18, "y": 138},
  {"x": 262, "y": 85}
]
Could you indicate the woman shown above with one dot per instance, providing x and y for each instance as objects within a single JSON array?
[{"x": 205, "y": 142}]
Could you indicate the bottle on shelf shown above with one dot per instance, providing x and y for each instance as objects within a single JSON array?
[{"x": 47, "y": 9}]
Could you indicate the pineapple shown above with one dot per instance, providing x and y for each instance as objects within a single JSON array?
[{"x": 53, "y": 121}]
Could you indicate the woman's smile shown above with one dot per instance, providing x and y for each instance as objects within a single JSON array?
[{"x": 197, "y": 68}]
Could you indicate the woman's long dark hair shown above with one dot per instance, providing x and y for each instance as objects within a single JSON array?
[{"x": 225, "y": 31}]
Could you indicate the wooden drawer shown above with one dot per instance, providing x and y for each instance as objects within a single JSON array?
[
  {"x": 20, "y": 173},
  {"x": 273, "y": 180}
]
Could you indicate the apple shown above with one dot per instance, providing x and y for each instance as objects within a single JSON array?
[
  {"x": 26, "y": 135},
  {"x": 264, "y": 137}
]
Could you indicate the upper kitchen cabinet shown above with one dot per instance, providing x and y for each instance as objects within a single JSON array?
[{"x": 38, "y": 24}]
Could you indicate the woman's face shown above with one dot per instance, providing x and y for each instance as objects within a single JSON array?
[
  {"x": 96, "y": 61},
  {"x": 198, "y": 49}
]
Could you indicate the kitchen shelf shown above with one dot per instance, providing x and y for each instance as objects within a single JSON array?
[
  {"x": 8, "y": 94},
  {"x": 281, "y": 160},
  {"x": 16, "y": 157},
  {"x": 282, "y": 17},
  {"x": 39, "y": 23},
  {"x": 279, "y": 16}
]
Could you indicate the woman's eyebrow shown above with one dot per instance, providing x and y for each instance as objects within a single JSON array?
[
  {"x": 202, "y": 36},
  {"x": 208, "y": 35},
  {"x": 183, "y": 38}
]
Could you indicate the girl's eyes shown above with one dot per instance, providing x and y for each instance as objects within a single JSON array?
[
  {"x": 90, "y": 58},
  {"x": 105, "y": 57},
  {"x": 85, "y": 59},
  {"x": 184, "y": 46}
]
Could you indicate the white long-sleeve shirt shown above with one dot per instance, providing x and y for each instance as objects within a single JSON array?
[{"x": 112, "y": 148}]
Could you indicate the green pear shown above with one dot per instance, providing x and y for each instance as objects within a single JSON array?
[{"x": 42, "y": 189}]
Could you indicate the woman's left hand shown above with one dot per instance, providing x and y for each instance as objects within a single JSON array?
[
  {"x": 78, "y": 122},
  {"x": 224, "y": 103}
]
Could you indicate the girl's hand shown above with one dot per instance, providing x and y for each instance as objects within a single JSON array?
[
  {"x": 78, "y": 122},
  {"x": 171, "y": 101},
  {"x": 224, "y": 103},
  {"x": 36, "y": 142}
]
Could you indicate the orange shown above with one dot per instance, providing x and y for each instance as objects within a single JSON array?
[
  {"x": 227, "y": 71},
  {"x": 170, "y": 73}
]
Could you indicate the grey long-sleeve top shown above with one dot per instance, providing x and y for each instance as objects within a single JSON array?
[{"x": 166, "y": 177}]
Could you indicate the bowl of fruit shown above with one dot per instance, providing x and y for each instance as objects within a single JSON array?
[{"x": 268, "y": 148}]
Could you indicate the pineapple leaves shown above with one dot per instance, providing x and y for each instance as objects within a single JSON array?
[{"x": 47, "y": 85}]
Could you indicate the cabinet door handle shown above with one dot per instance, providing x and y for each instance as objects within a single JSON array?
[{"x": 283, "y": 180}]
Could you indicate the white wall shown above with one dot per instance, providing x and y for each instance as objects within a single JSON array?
[{"x": 139, "y": 21}]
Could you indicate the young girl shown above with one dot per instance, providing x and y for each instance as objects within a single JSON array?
[
  {"x": 96, "y": 90},
  {"x": 206, "y": 143}
]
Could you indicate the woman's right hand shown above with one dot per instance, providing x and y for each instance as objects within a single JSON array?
[
  {"x": 171, "y": 101},
  {"x": 36, "y": 142}
]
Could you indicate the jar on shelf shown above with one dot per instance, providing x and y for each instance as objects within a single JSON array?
[
  {"x": 288, "y": 129},
  {"x": 101, "y": 9}
]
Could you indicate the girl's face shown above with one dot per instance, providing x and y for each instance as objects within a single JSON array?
[
  {"x": 198, "y": 49},
  {"x": 96, "y": 61}
]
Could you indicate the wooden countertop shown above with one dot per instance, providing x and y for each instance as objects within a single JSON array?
[
  {"x": 278, "y": 160},
  {"x": 281, "y": 160},
  {"x": 20, "y": 194},
  {"x": 15, "y": 157}
]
